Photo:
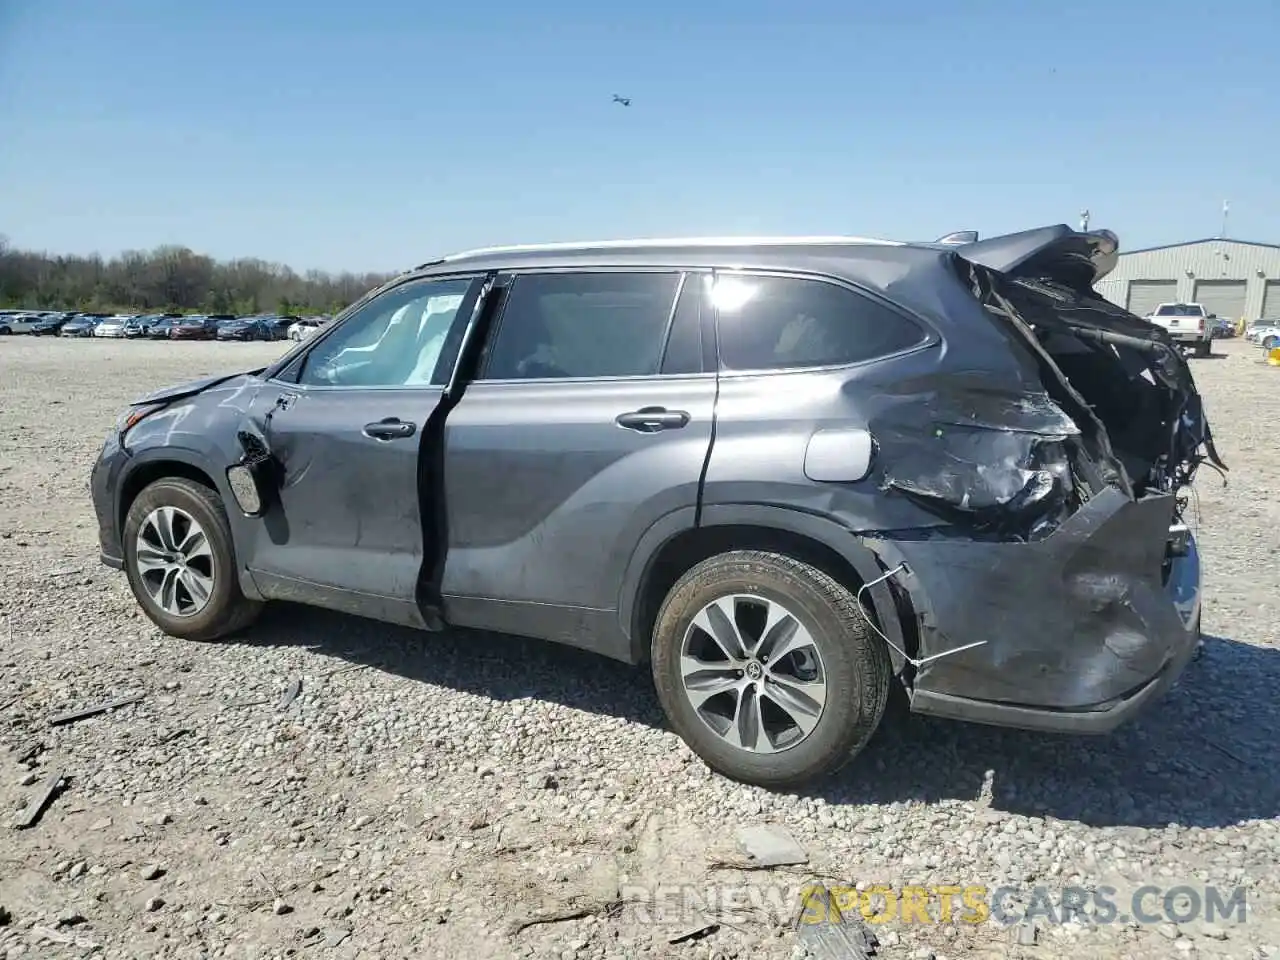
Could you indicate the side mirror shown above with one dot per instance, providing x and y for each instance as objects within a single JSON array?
[{"x": 253, "y": 477}]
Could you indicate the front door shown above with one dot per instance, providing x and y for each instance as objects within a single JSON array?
[
  {"x": 589, "y": 420},
  {"x": 346, "y": 423}
]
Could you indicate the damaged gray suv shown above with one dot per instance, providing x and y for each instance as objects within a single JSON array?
[{"x": 786, "y": 473}]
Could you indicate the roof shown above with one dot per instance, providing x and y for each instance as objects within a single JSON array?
[
  {"x": 873, "y": 263},
  {"x": 1192, "y": 243},
  {"x": 667, "y": 243}
]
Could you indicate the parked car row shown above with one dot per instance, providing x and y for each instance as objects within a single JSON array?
[
  {"x": 160, "y": 326},
  {"x": 1265, "y": 332}
]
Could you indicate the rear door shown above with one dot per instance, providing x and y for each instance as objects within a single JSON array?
[
  {"x": 345, "y": 421},
  {"x": 590, "y": 419}
]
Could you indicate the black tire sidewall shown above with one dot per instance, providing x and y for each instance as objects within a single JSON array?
[
  {"x": 856, "y": 696},
  {"x": 198, "y": 501}
]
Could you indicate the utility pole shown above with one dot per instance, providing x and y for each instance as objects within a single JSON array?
[
  {"x": 1084, "y": 221},
  {"x": 1226, "y": 209}
]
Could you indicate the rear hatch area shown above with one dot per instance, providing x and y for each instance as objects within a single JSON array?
[{"x": 1077, "y": 581}]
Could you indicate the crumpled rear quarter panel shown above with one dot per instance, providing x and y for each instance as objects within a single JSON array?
[{"x": 1072, "y": 621}]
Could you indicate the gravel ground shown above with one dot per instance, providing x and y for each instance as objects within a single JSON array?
[{"x": 424, "y": 793}]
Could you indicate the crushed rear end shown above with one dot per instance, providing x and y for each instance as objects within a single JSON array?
[{"x": 1061, "y": 588}]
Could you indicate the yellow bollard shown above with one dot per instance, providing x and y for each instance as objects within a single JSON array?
[{"x": 1273, "y": 357}]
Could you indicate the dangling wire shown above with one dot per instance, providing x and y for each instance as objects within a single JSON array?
[{"x": 902, "y": 568}]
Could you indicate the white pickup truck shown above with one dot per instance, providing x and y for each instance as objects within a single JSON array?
[{"x": 1188, "y": 324}]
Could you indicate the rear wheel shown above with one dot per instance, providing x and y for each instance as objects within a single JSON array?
[
  {"x": 767, "y": 669},
  {"x": 180, "y": 561}
]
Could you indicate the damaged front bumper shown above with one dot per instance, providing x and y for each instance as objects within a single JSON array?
[{"x": 1077, "y": 631}]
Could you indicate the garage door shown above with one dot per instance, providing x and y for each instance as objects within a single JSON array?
[
  {"x": 1271, "y": 300},
  {"x": 1226, "y": 298},
  {"x": 1113, "y": 290},
  {"x": 1146, "y": 295}
]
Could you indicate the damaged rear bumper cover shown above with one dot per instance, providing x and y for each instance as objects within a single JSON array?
[{"x": 1079, "y": 630}]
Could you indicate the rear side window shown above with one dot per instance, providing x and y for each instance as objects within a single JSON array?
[
  {"x": 562, "y": 325},
  {"x": 778, "y": 323}
]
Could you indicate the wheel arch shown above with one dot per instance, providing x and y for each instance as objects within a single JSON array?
[
  {"x": 147, "y": 467},
  {"x": 675, "y": 544}
]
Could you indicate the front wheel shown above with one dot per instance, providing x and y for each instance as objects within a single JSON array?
[
  {"x": 765, "y": 666},
  {"x": 180, "y": 561},
  {"x": 1271, "y": 343}
]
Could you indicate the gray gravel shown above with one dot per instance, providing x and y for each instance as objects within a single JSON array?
[{"x": 424, "y": 795}]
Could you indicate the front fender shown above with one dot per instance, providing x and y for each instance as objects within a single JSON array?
[{"x": 138, "y": 463}]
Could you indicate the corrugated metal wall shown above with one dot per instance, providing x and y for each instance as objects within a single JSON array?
[
  {"x": 1271, "y": 301},
  {"x": 1206, "y": 260}
]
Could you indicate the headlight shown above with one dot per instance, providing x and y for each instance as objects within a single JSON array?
[{"x": 130, "y": 418}]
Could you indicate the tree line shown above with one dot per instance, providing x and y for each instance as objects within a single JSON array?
[{"x": 171, "y": 278}]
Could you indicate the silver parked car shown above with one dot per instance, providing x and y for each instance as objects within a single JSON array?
[
  {"x": 114, "y": 326},
  {"x": 1265, "y": 332},
  {"x": 787, "y": 474}
]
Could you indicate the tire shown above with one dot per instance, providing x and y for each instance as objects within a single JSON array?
[
  {"x": 1270, "y": 343},
  {"x": 5, "y": 331},
  {"x": 853, "y": 662},
  {"x": 226, "y": 610}
]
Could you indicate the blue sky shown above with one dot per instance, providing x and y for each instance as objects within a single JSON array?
[{"x": 377, "y": 134}]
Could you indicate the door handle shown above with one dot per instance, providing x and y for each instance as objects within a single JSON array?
[
  {"x": 389, "y": 429},
  {"x": 652, "y": 419}
]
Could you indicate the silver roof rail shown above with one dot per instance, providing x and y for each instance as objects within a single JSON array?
[
  {"x": 651, "y": 242},
  {"x": 959, "y": 237}
]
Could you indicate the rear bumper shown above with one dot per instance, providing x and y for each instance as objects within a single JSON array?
[{"x": 1079, "y": 631}]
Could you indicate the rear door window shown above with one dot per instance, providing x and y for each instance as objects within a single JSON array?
[
  {"x": 780, "y": 323},
  {"x": 582, "y": 325}
]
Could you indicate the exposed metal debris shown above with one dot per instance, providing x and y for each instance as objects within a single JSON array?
[
  {"x": 72, "y": 716},
  {"x": 833, "y": 934}
]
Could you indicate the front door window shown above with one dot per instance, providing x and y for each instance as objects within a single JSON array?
[{"x": 395, "y": 340}]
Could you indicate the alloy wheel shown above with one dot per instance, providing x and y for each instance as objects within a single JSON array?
[
  {"x": 753, "y": 673},
  {"x": 175, "y": 562}
]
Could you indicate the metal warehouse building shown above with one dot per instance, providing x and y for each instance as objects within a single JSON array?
[{"x": 1233, "y": 278}]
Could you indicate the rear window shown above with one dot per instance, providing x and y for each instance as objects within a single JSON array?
[
  {"x": 779, "y": 323},
  {"x": 1179, "y": 310}
]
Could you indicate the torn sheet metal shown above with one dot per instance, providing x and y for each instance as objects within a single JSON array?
[
  {"x": 830, "y": 933},
  {"x": 1087, "y": 615},
  {"x": 988, "y": 458}
]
